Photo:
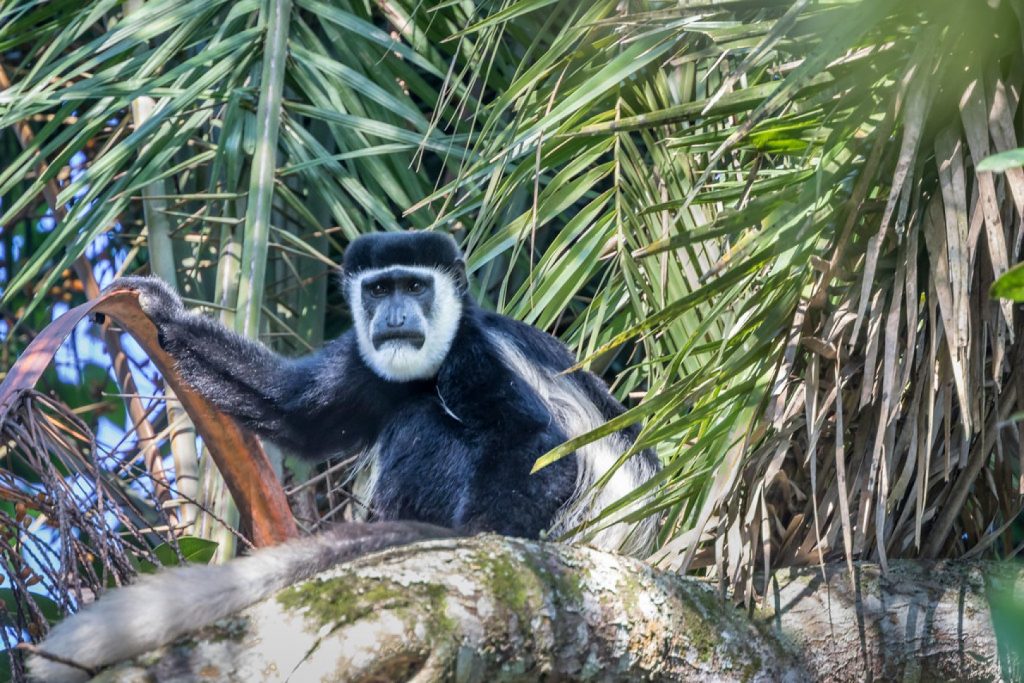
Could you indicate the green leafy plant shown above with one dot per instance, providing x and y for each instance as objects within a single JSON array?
[{"x": 767, "y": 223}]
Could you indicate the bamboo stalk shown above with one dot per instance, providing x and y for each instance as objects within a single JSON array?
[
  {"x": 158, "y": 230},
  {"x": 274, "y": 18}
]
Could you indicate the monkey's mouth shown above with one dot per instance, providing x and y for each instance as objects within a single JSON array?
[{"x": 398, "y": 337}]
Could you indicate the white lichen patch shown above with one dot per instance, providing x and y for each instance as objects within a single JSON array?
[
  {"x": 605, "y": 572},
  {"x": 349, "y": 649},
  {"x": 484, "y": 607},
  {"x": 647, "y": 605},
  {"x": 470, "y": 627},
  {"x": 462, "y": 585},
  {"x": 278, "y": 637}
]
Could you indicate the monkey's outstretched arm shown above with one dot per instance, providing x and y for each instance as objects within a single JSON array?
[
  {"x": 240, "y": 377},
  {"x": 138, "y": 618}
]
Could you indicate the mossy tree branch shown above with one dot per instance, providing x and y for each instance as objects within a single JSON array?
[{"x": 492, "y": 608}]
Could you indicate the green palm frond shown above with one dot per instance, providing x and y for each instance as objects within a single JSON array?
[
  {"x": 349, "y": 132},
  {"x": 762, "y": 219},
  {"x": 767, "y": 216}
]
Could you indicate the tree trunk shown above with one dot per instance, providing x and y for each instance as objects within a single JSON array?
[{"x": 498, "y": 609}]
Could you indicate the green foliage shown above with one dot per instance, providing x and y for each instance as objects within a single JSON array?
[
  {"x": 193, "y": 551},
  {"x": 1010, "y": 285},
  {"x": 48, "y": 607},
  {"x": 1007, "y": 616},
  {"x": 707, "y": 200},
  {"x": 762, "y": 221},
  {"x": 1003, "y": 161}
]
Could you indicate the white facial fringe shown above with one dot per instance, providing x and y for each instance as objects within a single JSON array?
[{"x": 400, "y": 362}]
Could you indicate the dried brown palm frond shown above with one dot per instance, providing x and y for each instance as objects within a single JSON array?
[
  {"x": 888, "y": 430},
  {"x": 79, "y": 517},
  {"x": 74, "y": 520},
  {"x": 777, "y": 205}
]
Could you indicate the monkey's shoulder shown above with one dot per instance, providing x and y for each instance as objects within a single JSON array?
[
  {"x": 550, "y": 355},
  {"x": 540, "y": 347}
]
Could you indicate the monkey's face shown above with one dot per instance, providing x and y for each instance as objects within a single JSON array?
[{"x": 405, "y": 319}]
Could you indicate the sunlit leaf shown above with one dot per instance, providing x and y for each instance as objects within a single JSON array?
[
  {"x": 1014, "y": 158},
  {"x": 1010, "y": 285}
]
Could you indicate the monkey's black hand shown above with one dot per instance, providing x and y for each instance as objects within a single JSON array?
[
  {"x": 157, "y": 299},
  {"x": 241, "y": 377}
]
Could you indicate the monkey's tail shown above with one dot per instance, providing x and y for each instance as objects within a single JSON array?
[{"x": 162, "y": 607}]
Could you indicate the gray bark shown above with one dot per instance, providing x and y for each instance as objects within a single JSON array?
[{"x": 499, "y": 609}]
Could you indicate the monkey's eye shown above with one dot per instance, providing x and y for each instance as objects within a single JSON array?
[
  {"x": 378, "y": 289},
  {"x": 415, "y": 287}
]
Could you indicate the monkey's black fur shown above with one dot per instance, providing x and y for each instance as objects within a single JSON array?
[
  {"x": 455, "y": 450},
  {"x": 385, "y": 249}
]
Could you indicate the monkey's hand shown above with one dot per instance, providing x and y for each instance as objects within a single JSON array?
[
  {"x": 157, "y": 299},
  {"x": 241, "y": 377}
]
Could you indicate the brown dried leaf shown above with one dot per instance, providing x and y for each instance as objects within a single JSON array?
[{"x": 239, "y": 455}]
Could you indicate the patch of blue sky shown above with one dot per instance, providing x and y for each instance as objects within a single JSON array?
[
  {"x": 95, "y": 248},
  {"x": 76, "y": 173},
  {"x": 80, "y": 348},
  {"x": 40, "y": 547},
  {"x": 66, "y": 360},
  {"x": 39, "y": 550},
  {"x": 106, "y": 268},
  {"x": 48, "y": 222},
  {"x": 117, "y": 446},
  {"x": 146, "y": 381},
  {"x": 111, "y": 437}
]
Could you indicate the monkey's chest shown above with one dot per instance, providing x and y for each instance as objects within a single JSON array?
[
  {"x": 417, "y": 469},
  {"x": 432, "y": 461}
]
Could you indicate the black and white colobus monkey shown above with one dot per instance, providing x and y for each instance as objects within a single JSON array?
[{"x": 448, "y": 405}]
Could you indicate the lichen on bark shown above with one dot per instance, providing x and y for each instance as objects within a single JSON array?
[{"x": 497, "y": 609}]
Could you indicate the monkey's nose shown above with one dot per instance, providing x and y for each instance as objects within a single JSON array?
[{"x": 396, "y": 321}]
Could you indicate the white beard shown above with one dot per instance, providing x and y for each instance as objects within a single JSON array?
[{"x": 398, "y": 361}]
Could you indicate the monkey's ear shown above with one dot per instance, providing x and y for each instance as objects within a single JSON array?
[
  {"x": 459, "y": 273},
  {"x": 341, "y": 277}
]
